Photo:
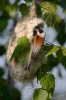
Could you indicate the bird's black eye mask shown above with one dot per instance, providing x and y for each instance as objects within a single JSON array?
[
  {"x": 34, "y": 32},
  {"x": 39, "y": 28}
]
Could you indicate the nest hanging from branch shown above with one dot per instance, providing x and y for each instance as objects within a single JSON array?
[{"x": 28, "y": 27}]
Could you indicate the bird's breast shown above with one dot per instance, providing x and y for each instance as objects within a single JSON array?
[
  {"x": 37, "y": 43},
  {"x": 37, "y": 40}
]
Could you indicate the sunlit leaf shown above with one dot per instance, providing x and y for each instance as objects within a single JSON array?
[
  {"x": 41, "y": 72},
  {"x": 49, "y": 11},
  {"x": 54, "y": 1},
  {"x": 24, "y": 56},
  {"x": 47, "y": 6},
  {"x": 21, "y": 44},
  {"x": 22, "y": 41},
  {"x": 11, "y": 10},
  {"x": 50, "y": 94},
  {"x": 24, "y": 9},
  {"x": 47, "y": 48},
  {"x": 40, "y": 94},
  {"x": 48, "y": 81},
  {"x": 15, "y": 52},
  {"x": 63, "y": 50},
  {"x": 54, "y": 49},
  {"x": 49, "y": 19}
]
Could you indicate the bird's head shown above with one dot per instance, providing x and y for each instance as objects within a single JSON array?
[{"x": 38, "y": 38}]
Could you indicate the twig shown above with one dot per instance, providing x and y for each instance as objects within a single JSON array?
[
  {"x": 55, "y": 45},
  {"x": 37, "y": 2}
]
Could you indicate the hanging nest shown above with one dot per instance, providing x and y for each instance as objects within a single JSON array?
[{"x": 25, "y": 27}]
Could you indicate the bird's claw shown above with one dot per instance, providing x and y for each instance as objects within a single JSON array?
[{"x": 27, "y": 67}]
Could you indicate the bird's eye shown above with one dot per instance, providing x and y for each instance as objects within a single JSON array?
[
  {"x": 34, "y": 32},
  {"x": 40, "y": 31}
]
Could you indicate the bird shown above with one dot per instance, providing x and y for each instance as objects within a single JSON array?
[
  {"x": 37, "y": 42},
  {"x": 33, "y": 29}
]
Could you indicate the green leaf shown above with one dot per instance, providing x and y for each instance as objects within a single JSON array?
[
  {"x": 24, "y": 56},
  {"x": 28, "y": 1},
  {"x": 10, "y": 8},
  {"x": 45, "y": 68},
  {"x": 3, "y": 24},
  {"x": 52, "y": 61},
  {"x": 50, "y": 94},
  {"x": 2, "y": 5},
  {"x": 40, "y": 94},
  {"x": 15, "y": 3},
  {"x": 22, "y": 42},
  {"x": 54, "y": 1},
  {"x": 49, "y": 19},
  {"x": 39, "y": 74},
  {"x": 5, "y": 92},
  {"x": 63, "y": 62},
  {"x": 38, "y": 10},
  {"x": 1, "y": 72},
  {"x": 24, "y": 9},
  {"x": 63, "y": 50},
  {"x": 48, "y": 7},
  {"x": 49, "y": 11},
  {"x": 60, "y": 28},
  {"x": 16, "y": 94},
  {"x": 15, "y": 52},
  {"x": 59, "y": 54},
  {"x": 2, "y": 50},
  {"x": 52, "y": 49},
  {"x": 48, "y": 81},
  {"x": 47, "y": 47},
  {"x": 2, "y": 82}
]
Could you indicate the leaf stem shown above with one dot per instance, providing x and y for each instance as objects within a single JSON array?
[
  {"x": 37, "y": 2},
  {"x": 55, "y": 45}
]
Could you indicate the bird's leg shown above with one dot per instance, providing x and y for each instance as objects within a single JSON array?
[{"x": 28, "y": 65}]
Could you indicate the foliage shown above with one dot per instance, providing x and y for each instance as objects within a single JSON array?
[
  {"x": 20, "y": 50},
  {"x": 7, "y": 93},
  {"x": 24, "y": 9},
  {"x": 48, "y": 9}
]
